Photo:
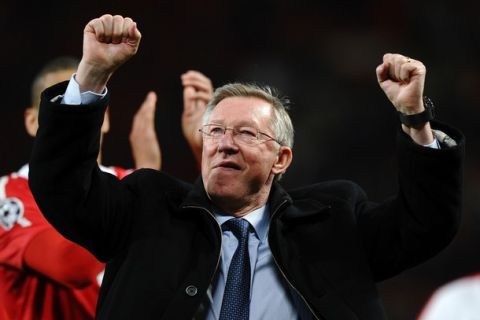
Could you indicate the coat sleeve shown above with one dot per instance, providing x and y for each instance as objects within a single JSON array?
[
  {"x": 83, "y": 203},
  {"x": 425, "y": 214}
]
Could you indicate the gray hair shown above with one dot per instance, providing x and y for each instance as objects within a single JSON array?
[{"x": 282, "y": 125}]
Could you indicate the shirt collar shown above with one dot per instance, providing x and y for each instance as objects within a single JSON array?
[{"x": 258, "y": 219}]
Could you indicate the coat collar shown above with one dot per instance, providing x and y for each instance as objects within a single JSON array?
[
  {"x": 197, "y": 197},
  {"x": 294, "y": 209}
]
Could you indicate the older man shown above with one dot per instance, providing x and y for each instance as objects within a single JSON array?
[{"x": 236, "y": 245}]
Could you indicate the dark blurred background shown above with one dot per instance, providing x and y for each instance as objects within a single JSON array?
[{"x": 321, "y": 54}]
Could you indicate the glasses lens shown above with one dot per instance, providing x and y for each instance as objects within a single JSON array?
[
  {"x": 213, "y": 130},
  {"x": 246, "y": 135}
]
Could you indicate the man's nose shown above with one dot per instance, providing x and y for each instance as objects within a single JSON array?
[{"x": 227, "y": 142}]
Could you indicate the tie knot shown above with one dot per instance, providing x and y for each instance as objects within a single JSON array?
[{"x": 238, "y": 226}]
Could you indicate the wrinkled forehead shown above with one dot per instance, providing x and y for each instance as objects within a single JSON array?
[{"x": 242, "y": 111}]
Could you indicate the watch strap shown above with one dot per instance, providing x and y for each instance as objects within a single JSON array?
[{"x": 418, "y": 119}]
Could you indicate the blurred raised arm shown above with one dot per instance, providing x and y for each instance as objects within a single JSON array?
[{"x": 197, "y": 92}]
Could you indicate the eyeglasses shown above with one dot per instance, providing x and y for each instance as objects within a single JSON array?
[{"x": 245, "y": 135}]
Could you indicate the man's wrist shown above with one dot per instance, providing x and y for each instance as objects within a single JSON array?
[
  {"x": 73, "y": 96},
  {"x": 422, "y": 136},
  {"x": 91, "y": 78},
  {"x": 418, "y": 120}
]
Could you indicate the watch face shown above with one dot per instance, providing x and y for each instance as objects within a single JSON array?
[{"x": 428, "y": 104}]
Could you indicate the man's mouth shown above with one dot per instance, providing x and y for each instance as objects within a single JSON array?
[{"x": 228, "y": 165}]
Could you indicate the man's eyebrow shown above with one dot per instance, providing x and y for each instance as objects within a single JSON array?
[
  {"x": 217, "y": 122},
  {"x": 243, "y": 123}
]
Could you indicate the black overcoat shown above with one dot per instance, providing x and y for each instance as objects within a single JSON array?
[{"x": 162, "y": 244}]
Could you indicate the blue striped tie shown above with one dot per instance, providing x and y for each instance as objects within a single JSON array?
[{"x": 236, "y": 298}]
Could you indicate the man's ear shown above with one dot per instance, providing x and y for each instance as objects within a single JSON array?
[
  {"x": 284, "y": 159},
  {"x": 30, "y": 118}
]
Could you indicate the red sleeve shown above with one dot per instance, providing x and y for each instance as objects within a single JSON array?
[{"x": 61, "y": 260}]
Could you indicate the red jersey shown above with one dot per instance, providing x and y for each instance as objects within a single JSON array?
[{"x": 24, "y": 294}]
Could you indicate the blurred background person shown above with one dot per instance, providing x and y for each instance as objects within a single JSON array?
[
  {"x": 458, "y": 299},
  {"x": 43, "y": 275}
]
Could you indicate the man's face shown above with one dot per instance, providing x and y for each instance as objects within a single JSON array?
[
  {"x": 236, "y": 171},
  {"x": 31, "y": 114}
]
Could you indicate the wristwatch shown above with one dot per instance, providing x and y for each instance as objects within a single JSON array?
[{"x": 418, "y": 119}]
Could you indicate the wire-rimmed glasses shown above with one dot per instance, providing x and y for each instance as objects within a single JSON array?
[{"x": 243, "y": 134}]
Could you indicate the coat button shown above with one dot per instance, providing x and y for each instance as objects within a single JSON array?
[{"x": 191, "y": 290}]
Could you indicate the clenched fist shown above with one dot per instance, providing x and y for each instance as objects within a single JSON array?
[{"x": 108, "y": 42}]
